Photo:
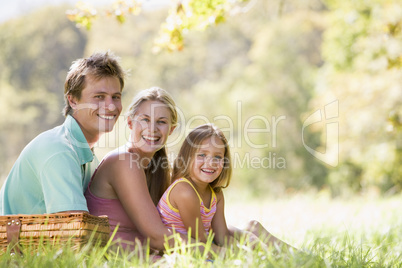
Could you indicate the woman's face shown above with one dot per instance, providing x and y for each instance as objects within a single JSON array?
[{"x": 150, "y": 127}]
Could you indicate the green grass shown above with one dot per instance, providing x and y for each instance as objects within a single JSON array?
[{"x": 368, "y": 235}]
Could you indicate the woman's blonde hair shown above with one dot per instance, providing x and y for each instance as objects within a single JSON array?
[
  {"x": 158, "y": 170},
  {"x": 185, "y": 159}
]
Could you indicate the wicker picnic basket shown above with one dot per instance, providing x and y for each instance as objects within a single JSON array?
[{"x": 74, "y": 229}]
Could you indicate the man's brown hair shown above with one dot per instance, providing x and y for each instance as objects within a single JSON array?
[{"x": 98, "y": 66}]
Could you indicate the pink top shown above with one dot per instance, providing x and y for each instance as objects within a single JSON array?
[
  {"x": 171, "y": 216},
  {"x": 117, "y": 215}
]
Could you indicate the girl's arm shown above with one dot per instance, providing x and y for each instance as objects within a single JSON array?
[
  {"x": 222, "y": 234},
  {"x": 185, "y": 199},
  {"x": 129, "y": 184}
]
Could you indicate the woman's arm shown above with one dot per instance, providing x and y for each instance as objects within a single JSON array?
[
  {"x": 222, "y": 234},
  {"x": 129, "y": 184}
]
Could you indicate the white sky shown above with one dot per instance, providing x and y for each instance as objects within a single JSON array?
[{"x": 13, "y": 8}]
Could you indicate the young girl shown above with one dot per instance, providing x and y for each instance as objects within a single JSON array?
[
  {"x": 194, "y": 202},
  {"x": 131, "y": 179}
]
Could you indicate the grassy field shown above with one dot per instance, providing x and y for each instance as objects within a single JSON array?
[
  {"x": 361, "y": 231},
  {"x": 302, "y": 217},
  {"x": 357, "y": 232}
]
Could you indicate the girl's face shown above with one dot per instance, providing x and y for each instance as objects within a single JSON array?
[
  {"x": 150, "y": 127},
  {"x": 208, "y": 161}
]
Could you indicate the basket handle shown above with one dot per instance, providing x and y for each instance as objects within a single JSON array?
[{"x": 13, "y": 231}]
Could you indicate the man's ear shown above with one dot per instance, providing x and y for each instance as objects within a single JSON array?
[
  {"x": 171, "y": 130},
  {"x": 72, "y": 101}
]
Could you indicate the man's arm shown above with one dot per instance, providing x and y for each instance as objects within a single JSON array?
[{"x": 62, "y": 184}]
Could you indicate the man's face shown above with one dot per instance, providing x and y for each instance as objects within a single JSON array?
[{"x": 98, "y": 108}]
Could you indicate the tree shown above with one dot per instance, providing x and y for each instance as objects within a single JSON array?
[
  {"x": 184, "y": 16},
  {"x": 362, "y": 49},
  {"x": 36, "y": 53},
  {"x": 281, "y": 58}
]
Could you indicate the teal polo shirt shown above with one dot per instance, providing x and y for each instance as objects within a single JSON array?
[{"x": 51, "y": 174}]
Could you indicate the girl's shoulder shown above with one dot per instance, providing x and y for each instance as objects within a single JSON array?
[
  {"x": 183, "y": 190},
  {"x": 181, "y": 193},
  {"x": 182, "y": 184},
  {"x": 219, "y": 196}
]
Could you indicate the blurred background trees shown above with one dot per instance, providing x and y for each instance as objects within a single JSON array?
[
  {"x": 266, "y": 67},
  {"x": 36, "y": 52},
  {"x": 362, "y": 50}
]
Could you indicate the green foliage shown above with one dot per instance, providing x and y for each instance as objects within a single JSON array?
[
  {"x": 36, "y": 53},
  {"x": 184, "y": 16},
  {"x": 362, "y": 49},
  {"x": 194, "y": 15},
  {"x": 373, "y": 27},
  {"x": 271, "y": 62},
  {"x": 84, "y": 14}
]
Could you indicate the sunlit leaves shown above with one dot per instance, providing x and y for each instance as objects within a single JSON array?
[
  {"x": 364, "y": 35},
  {"x": 184, "y": 16},
  {"x": 192, "y": 15},
  {"x": 84, "y": 14}
]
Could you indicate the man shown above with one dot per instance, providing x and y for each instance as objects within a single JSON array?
[{"x": 54, "y": 169}]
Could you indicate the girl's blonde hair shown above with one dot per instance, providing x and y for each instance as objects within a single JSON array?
[
  {"x": 185, "y": 159},
  {"x": 158, "y": 170}
]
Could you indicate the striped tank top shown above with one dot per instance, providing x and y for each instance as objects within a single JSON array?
[{"x": 171, "y": 217}]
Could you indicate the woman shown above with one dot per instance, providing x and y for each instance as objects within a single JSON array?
[{"x": 131, "y": 179}]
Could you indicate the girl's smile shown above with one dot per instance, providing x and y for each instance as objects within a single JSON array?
[
  {"x": 208, "y": 161},
  {"x": 208, "y": 171}
]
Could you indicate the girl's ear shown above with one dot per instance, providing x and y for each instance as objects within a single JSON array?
[{"x": 171, "y": 130}]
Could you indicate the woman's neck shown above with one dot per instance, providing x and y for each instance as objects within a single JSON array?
[{"x": 142, "y": 158}]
